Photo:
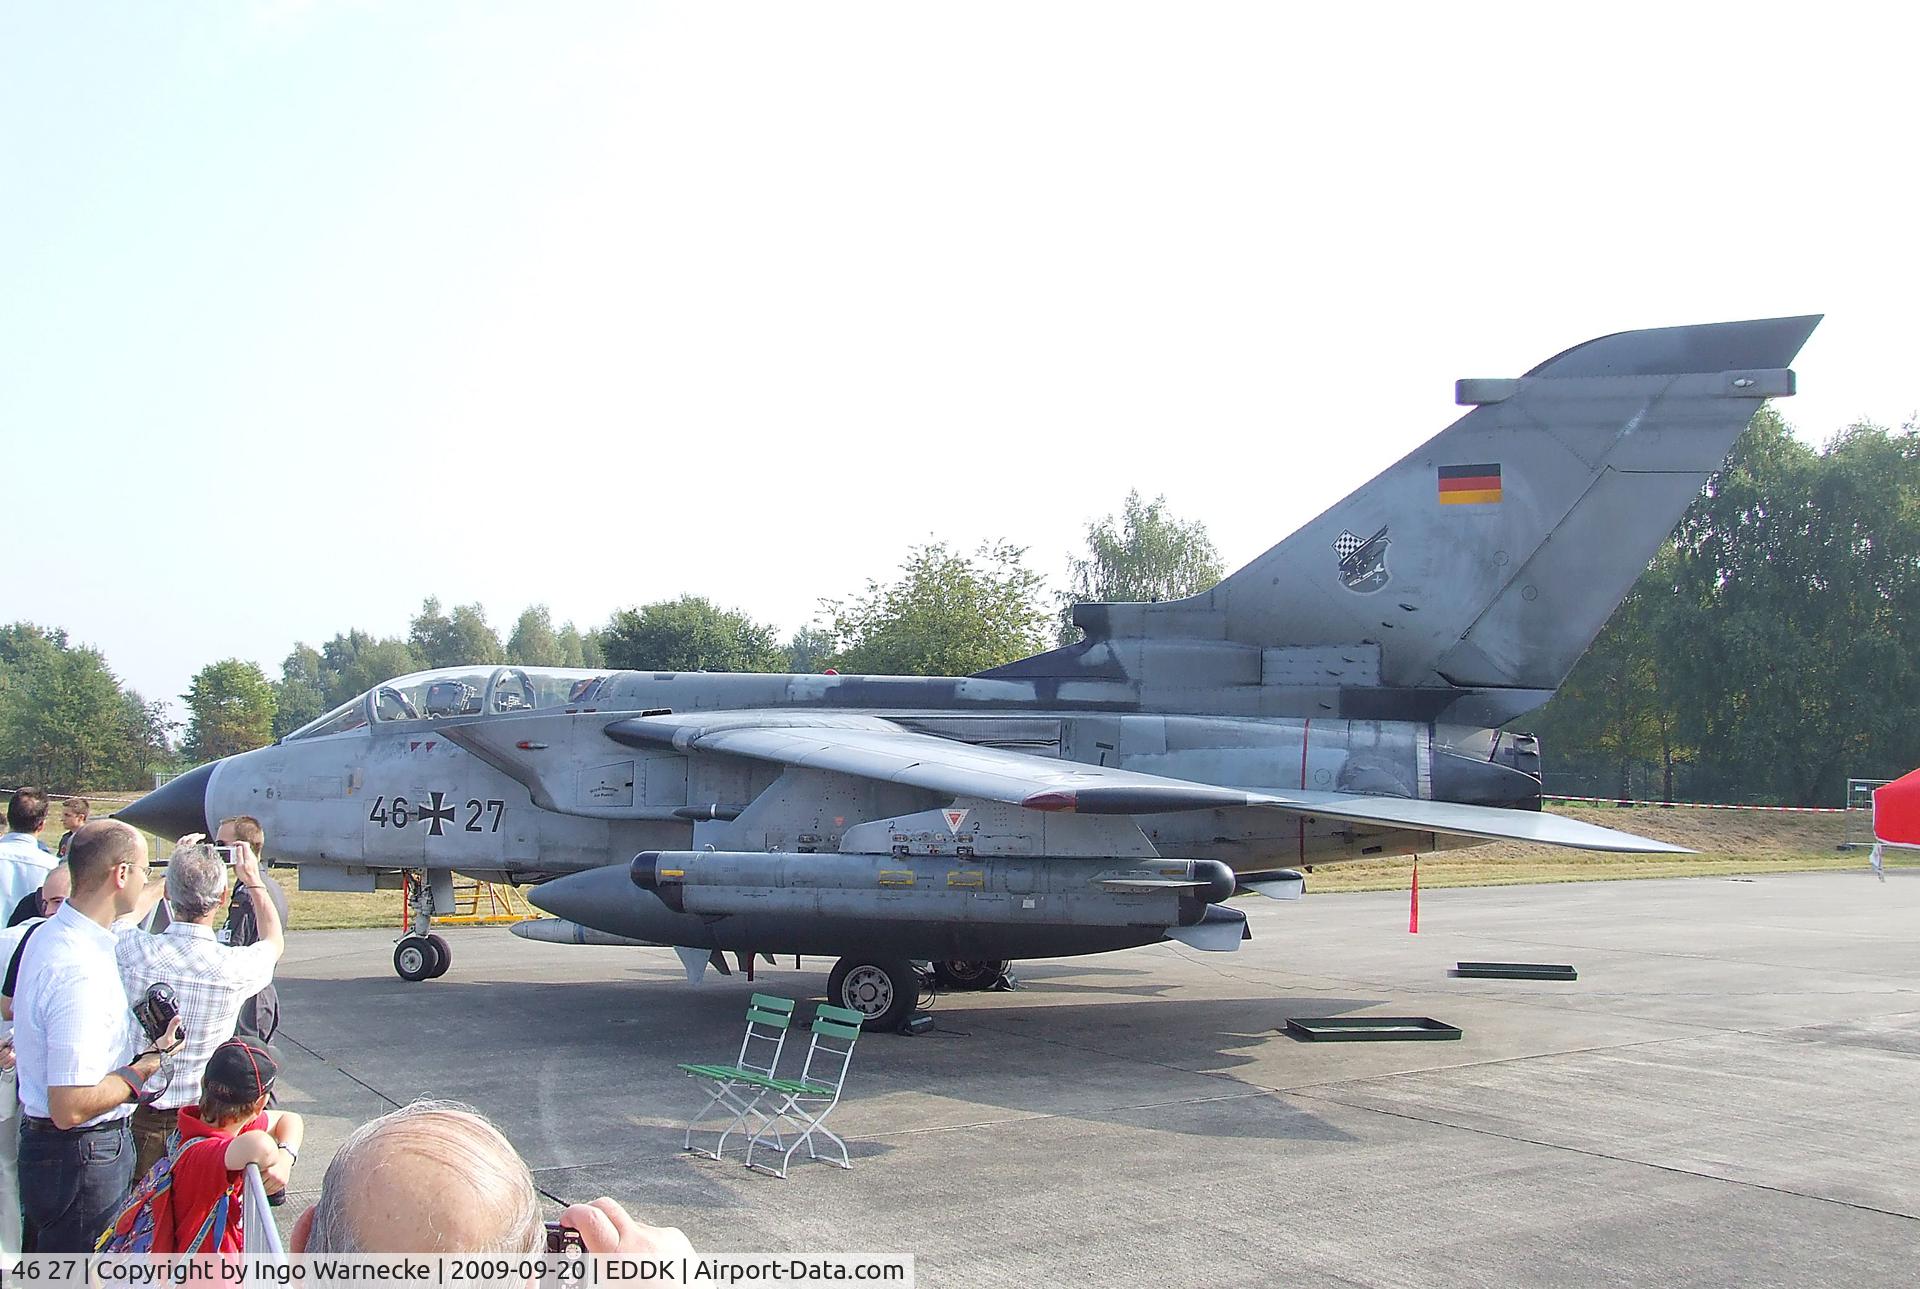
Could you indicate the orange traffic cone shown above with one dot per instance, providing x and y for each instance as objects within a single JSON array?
[{"x": 1413, "y": 907}]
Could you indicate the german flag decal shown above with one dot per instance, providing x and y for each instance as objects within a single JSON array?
[{"x": 1468, "y": 485}]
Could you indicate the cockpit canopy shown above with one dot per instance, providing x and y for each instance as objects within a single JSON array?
[{"x": 459, "y": 692}]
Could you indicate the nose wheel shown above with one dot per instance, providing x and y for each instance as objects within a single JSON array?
[
  {"x": 420, "y": 954},
  {"x": 421, "y": 957}
]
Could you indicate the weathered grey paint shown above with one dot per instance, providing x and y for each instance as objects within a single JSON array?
[{"x": 1338, "y": 697}]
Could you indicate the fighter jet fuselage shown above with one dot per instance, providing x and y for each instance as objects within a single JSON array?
[{"x": 1345, "y": 695}]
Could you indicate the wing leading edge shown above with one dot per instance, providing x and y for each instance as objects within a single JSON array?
[{"x": 872, "y": 748}]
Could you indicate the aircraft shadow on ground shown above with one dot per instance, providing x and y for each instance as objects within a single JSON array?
[{"x": 573, "y": 1070}]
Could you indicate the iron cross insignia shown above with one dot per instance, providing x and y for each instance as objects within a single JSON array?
[{"x": 438, "y": 813}]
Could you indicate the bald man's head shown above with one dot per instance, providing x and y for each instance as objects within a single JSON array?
[
  {"x": 56, "y": 888},
  {"x": 431, "y": 1177},
  {"x": 108, "y": 859}
]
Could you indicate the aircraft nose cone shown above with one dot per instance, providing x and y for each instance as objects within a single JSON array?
[{"x": 178, "y": 808}]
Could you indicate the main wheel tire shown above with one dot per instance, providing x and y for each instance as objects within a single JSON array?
[
  {"x": 442, "y": 954},
  {"x": 883, "y": 990},
  {"x": 961, "y": 975},
  {"x": 414, "y": 958}
]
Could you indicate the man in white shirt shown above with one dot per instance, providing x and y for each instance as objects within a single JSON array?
[
  {"x": 210, "y": 979},
  {"x": 81, "y": 1059},
  {"x": 23, "y": 860},
  {"x": 53, "y": 894}
]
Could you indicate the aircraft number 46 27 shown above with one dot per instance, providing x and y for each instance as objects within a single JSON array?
[{"x": 436, "y": 813}]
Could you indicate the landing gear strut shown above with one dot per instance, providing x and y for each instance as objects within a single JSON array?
[
  {"x": 884, "y": 990},
  {"x": 420, "y": 955}
]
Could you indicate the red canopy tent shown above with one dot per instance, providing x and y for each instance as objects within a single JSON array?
[{"x": 1896, "y": 814}]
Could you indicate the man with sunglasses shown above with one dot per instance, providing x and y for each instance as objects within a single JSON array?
[{"x": 81, "y": 1059}]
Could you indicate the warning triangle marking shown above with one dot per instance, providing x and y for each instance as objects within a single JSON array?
[{"x": 954, "y": 819}]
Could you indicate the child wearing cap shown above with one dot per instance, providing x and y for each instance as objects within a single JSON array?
[{"x": 229, "y": 1129}]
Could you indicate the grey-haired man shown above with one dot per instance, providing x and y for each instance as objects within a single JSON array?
[{"x": 210, "y": 979}]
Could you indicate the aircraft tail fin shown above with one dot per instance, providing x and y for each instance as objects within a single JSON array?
[{"x": 1490, "y": 556}]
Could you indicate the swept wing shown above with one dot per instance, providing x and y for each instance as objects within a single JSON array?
[{"x": 874, "y": 748}]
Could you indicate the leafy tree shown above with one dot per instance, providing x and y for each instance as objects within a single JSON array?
[
  {"x": 1799, "y": 573},
  {"x": 1142, "y": 554},
  {"x": 947, "y": 615},
  {"x": 459, "y": 639},
  {"x": 377, "y": 661},
  {"x": 355, "y": 662},
  {"x": 688, "y": 634},
  {"x": 809, "y": 650},
  {"x": 232, "y": 710},
  {"x": 533, "y": 642},
  {"x": 1764, "y": 652},
  {"x": 147, "y": 735},
  {"x": 338, "y": 656},
  {"x": 60, "y": 710},
  {"x": 300, "y": 695}
]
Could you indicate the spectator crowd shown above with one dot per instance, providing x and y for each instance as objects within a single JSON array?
[{"x": 137, "y": 1071}]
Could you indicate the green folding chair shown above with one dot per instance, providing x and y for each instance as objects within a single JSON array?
[
  {"x": 742, "y": 1086},
  {"x": 806, "y": 1102}
]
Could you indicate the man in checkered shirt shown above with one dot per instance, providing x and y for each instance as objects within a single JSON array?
[{"x": 211, "y": 979}]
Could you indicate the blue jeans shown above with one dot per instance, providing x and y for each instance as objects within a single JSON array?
[{"x": 73, "y": 1183}]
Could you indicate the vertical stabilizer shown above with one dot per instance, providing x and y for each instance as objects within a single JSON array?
[{"x": 1491, "y": 555}]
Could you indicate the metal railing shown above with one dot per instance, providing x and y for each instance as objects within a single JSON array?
[{"x": 258, "y": 1234}]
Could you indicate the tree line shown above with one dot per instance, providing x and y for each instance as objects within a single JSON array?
[
  {"x": 1761, "y": 657},
  {"x": 1764, "y": 656},
  {"x": 945, "y": 612}
]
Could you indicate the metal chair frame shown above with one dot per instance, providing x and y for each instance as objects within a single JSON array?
[
  {"x": 742, "y": 1086},
  {"x": 806, "y": 1102}
]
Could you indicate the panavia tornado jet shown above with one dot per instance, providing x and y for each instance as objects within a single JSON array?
[{"x": 1344, "y": 695}]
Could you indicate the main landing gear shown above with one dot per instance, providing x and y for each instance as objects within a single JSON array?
[
  {"x": 887, "y": 990},
  {"x": 884, "y": 990},
  {"x": 420, "y": 954},
  {"x": 958, "y": 977}
]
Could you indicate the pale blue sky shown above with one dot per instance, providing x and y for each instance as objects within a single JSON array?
[{"x": 328, "y": 307}]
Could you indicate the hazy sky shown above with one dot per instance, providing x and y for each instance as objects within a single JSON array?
[{"x": 309, "y": 310}]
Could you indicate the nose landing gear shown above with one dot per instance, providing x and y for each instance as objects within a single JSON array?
[{"x": 419, "y": 954}]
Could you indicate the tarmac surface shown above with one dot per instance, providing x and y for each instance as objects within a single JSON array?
[{"x": 1728, "y": 1095}]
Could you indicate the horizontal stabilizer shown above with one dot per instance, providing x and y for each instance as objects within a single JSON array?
[{"x": 1490, "y": 823}]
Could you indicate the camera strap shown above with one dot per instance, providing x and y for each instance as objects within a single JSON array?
[{"x": 13, "y": 967}]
